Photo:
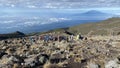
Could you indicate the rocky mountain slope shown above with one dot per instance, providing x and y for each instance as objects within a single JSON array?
[
  {"x": 55, "y": 49},
  {"x": 109, "y": 26}
]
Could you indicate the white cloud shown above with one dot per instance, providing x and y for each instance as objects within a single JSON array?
[
  {"x": 30, "y": 23},
  {"x": 12, "y": 5},
  {"x": 7, "y": 22},
  {"x": 11, "y": 27},
  {"x": 59, "y": 3},
  {"x": 45, "y": 21},
  {"x": 32, "y": 6},
  {"x": 58, "y": 19}
]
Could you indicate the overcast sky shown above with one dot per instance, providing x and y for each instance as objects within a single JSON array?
[{"x": 59, "y": 3}]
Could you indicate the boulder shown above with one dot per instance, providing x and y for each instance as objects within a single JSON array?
[
  {"x": 30, "y": 62},
  {"x": 2, "y": 54},
  {"x": 112, "y": 64},
  {"x": 42, "y": 60}
]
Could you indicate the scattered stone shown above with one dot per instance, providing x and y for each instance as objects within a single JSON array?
[{"x": 20, "y": 53}]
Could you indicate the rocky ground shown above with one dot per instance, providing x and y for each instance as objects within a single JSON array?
[{"x": 95, "y": 52}]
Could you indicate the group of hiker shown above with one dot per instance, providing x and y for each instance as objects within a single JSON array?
[{"x": 49, "y": 37}]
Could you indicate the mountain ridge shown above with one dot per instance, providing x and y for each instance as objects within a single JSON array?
[
  {"x": 106, "y": 27},
  {"x": 100, "y": 28},
  {"x": 16, "y": 34},
  {"x": 94, "y": 12}
]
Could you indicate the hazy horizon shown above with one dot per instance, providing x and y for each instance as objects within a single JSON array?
[{"x": 28, "y": 14}]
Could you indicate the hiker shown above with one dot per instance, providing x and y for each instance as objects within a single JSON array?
[
  {"x": 36, "y": 38},
  {"x": 42, "y": 37},
  {"x": 31, "y": 40},
  {"x": 79, "y": 37},
  {"x": 65, "y": 38},
  {"x": 46, "y": 38},
  {"x": 55, "y": 38},
  {"x": 62, "y": 38},
  {"x": 71, "y": 38},
  {"x": 50, "y": 37}
]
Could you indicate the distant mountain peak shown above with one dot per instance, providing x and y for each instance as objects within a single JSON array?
[
  {"x": 94, "y": 12},
  {"x": 19, "y": 33}
]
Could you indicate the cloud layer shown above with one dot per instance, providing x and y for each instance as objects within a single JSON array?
[{"x": 59, "y": 3}]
